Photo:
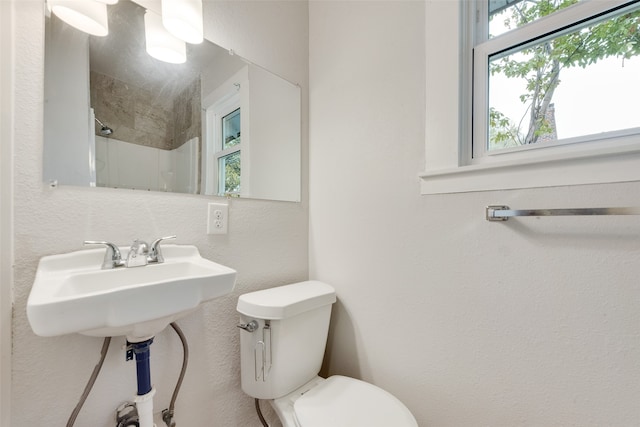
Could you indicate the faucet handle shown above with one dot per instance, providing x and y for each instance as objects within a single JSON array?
[
  {"x": 112, "y": 258},
  {"x": 155, "y": 254}
]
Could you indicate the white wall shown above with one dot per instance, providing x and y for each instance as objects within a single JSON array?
[
  {"x": 274, "y": 150},
  {"x": 525, "y": 323},
  {"x": 6, "y": 206},
  {"x": 66, "y": 106},
  {"x": 267, "y": 244}
]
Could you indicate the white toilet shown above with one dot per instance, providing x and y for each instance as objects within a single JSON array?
[{"x": 281, "y": 349}]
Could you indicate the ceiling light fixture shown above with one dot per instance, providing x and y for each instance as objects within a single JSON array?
[
  {"x": 86, "y": 15},
  {"x": 159, "y": 43},
  {"x": 183, "y": 19}
]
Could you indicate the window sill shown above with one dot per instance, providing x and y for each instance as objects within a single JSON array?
[{"x": 593, "y": 167}]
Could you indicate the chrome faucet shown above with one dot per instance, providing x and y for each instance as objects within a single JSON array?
[
  {"x": 137, "y": 254},
  {"x": 140, "y": 253}
]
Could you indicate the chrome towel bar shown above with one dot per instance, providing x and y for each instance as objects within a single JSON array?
[{"x": 503, "y": 213}]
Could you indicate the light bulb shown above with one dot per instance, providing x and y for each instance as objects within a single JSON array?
[
  {"x": 183, "y": 19},
  {"x": 159, "y": 43},
  {"x": 86, "y": 15}
]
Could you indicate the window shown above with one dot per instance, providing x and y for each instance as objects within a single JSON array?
[
  {"x": 553, "y": 73},
  {"x": 228, "y": 155},
  {"x": 226, "y": 147},
  {"x": 478, "y": 110}
]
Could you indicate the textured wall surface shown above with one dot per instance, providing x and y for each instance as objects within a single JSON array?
[
  {"x": 6, "y": 207},
  {"x": 136, "y": 115},
  {"x": 532, "y": 322},
  {"x": 266, "y": 244},
  {"x": 187, "y": 114}
]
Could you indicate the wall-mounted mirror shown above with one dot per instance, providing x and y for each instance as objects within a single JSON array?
[{"x": 116, "y": 117}]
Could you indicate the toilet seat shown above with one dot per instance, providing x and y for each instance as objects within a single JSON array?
[{"x": 346, "y": 402}]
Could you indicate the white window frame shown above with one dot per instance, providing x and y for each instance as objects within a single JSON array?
[
  {"x": 226, "y": 98},
  {"x": 592, "y": 161}
]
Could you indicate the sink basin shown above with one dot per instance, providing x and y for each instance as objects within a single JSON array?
[{"x": 72, "y": 294}]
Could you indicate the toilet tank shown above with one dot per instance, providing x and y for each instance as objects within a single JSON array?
[{"x": 286, "y": 349}]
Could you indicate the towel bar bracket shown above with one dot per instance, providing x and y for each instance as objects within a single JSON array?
[{"x": 490, "y": 214}]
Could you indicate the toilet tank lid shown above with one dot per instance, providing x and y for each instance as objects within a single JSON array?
[{"x": 286, "y": 301}]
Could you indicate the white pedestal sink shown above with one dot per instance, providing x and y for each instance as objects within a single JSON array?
[{"x": 72, "y": 294}]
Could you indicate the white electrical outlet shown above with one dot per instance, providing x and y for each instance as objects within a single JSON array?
[{"x": 217, "y": 218}]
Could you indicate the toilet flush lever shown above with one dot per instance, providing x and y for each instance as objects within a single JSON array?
[{"x": 249, "y": 327}]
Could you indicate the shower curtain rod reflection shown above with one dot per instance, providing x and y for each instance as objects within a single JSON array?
[{"x": 503, "y": 213}]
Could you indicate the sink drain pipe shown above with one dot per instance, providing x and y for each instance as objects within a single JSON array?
[{"x": 144, "y": 398}]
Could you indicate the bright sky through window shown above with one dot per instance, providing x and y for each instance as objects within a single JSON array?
[{"x": 588, "y": 92}]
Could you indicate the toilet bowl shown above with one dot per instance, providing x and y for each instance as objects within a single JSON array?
[
  {"x": 281, "y": 349},
  {"x": 341, "y": 402}
]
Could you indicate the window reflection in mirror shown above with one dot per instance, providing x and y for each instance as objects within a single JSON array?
[{"x": 230, "y": 170}]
